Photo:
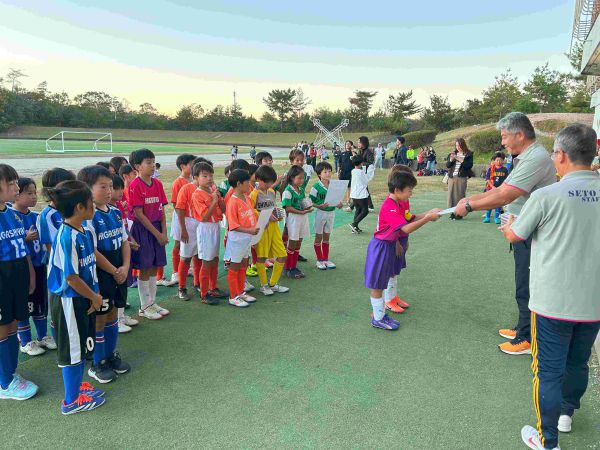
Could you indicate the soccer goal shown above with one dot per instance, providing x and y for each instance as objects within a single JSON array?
[{"x": 80, "y": 141}]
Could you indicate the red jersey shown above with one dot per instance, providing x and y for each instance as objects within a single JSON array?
[{"x": 151, "y": 197}]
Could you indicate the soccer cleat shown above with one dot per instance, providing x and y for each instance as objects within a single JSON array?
[
  {"x": 514, "y": 347},
  {"x": 116, "y": 364},
  {"x": 531, "y": 438},
  {"x": 133, "y": 285},
  {"x": 251, "y": 271},
  {"x": 248, "y": 298},
  {"x": 508, "y": 333},
  {"x": 209, "y": 300},
  {"x": 102, "y": 372},
  {"x": 47, "y": 342},
  {"x": 159, "y": 309},
  {"x": 497, "y": 221},
  {"x": 182, "y": 294},
  {"x": 127, "y": 305},
  {"x": 302, "y": 258},
  {"x": 354, "y": 228},
  {"x": 386, "y": 323},
  {"x": 321, "y": 265},
  {"x": 197, "y": 288},
  {"x": 280, "y": 289},
  {"x": 89, "y": 390},
  {"x": 248, "y": 287},
  {"x": 32, "y": 348},
  {"x": 564, "y": 423},
  {"x": 239, "y": 302},
  {"x": 166, "y": 283},
  {"x": 266, "y": 290},
  {"x": 398, "y": 301},
  {"x": 175, "y": 277},
  {"x": 371, "y": 210},
  {"x": 359, "y": 230},
  {"x": 149, "y": 313},
  {"x": 19, "y": 389},
  {"x": 217, "y": 293},
  {"x": 294, "y": 274},
  {"x": 123, "y": 328},
  {"x": 299, "y": 272},
  {"x": 330, "y": 265},
  {"x": 393, "y": 307},
  {"x": 129, "y": 321},
  {"x": 83, "y": 403},
  {"x": 486, "y": 220}
]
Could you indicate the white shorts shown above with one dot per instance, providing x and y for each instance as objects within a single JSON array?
[
  {"x": 208, "y": 236},
  {"x": 297, "y": 226},
  {"x": 175, "y": 227},
  {"x": 189, "y": 248},
  {"x": 323, "y": 221},
  {"x": 238, "y": 246}
]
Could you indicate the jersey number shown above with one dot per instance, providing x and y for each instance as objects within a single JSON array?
[
  {"x": 89, "y": 343},
  {"x": 105, "y": 305},
  {"x": 19, "y": 246},
  {"x": 94, "y": 273},
  {"x": 117, "y": 243}
]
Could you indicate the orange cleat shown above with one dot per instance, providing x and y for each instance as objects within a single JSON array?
[
  {"x": 393, "y": 306},
  {"x": 516, "y": 348},
  {"x": 508, "y": 333},
  {"x": 401, "y": 303}
]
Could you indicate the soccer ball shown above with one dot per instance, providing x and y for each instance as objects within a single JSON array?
[{"x": 306, "y": 203}]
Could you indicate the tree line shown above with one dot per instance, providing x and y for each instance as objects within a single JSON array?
[{"x": 546, "y": 90}]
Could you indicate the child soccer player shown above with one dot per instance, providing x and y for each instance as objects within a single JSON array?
[
  {"x": 73, "y": 277},
  {"x": 224, "y": 185},
  {"x": 359, "y": 191},
  {"x": 241, "y": 222},
  {"x": 207, "y": 208},
  {"x": 147, "y": 199},
  {"x": 495, "y": 176},
  {"x": 17, "y": 282},
  {"x": 324, "y": 216},
  {"x": 251, "y": 270},
  {"x": 38, "y": 300},
  {"x": 293, "y": 200},
  {"x": 111, "y": 244},
  {"x": 385, "y": 253},
  {"x": 263, "y": 159},
  {"x": 271, "y": 242}
]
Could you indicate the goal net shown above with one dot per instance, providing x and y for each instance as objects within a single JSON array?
[{"x": 79, "y": 141}]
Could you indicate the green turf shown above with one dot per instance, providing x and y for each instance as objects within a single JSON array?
[{"x": 306, "y": 370}]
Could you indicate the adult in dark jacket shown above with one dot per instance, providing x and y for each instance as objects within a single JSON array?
[
  {"x": 459, "y": 165},
  {"x": 346, "y": 166},
  {"x": 400, "y": 156},
  {"x": 368, "y": 156}
]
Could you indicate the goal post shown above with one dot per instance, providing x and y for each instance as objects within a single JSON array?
[{"x": 80, "y": 141}]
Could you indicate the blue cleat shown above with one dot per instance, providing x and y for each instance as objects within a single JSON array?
[
  {"x": 83, "y": 403},
  {"x": 19, "y": 389},
  {"x": 89, "y": 390},
  {"x": 386, "y": 323}
]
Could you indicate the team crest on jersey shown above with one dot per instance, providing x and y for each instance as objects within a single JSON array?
[{"x": 18, "y": 218}]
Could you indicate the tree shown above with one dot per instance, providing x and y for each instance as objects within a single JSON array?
[
  {"x": 439, "y": 115},
  {"x": 402, "y": 106},
  {"x": 579, "y": 102},
  {"x": 500, "y": 98},
  {"x": 548, "y": 88},
  {"x": 281, "y": 104},
  {"x": 300, "y": 103},
  {"x": 148, "y": 108},
  {"x": 188, "y": 115},
  {"x": 360, "y": 106},
  {"x": 13, "y": 77}
]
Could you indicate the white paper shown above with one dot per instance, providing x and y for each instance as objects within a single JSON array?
[
  {"x": 447, "y": 211},
  {"x": 336, "y": 191},
  {"x": 263, "y": 221}
]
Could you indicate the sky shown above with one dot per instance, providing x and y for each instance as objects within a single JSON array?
[{"x": 177, "y": 52}]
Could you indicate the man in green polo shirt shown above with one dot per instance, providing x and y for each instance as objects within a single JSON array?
[
  {"x": 532, "y": 170},
  {"x": 565, "y": 306}
]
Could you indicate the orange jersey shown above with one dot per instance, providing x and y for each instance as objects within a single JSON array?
[
  {"x": 184, "y": 199},
  {"x": 231, "y": 191},
  {"x": 201, "y": 201},
  {"x": 176, "y": 187},
  {"x": 240, "y": 213}
]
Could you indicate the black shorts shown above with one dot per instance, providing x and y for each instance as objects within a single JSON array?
[
  {"x": 14, "y": 291},
  {"x": 52, "y": 299},
  {"x": 75, "y": 329},
  {"x": 38, "y": 301},
  {"x": 113, "y": 295}
]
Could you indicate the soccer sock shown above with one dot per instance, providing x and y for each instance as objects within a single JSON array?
[
  {"x": 262, "y": 274},
  {"x": 204, "y": 280},
  {"x": 72, "y": 378},
  {"x": 241, "y": 279},
  {"x": 325, "y": 246},
  {"x": 232, "y": 278},
  {"x": 276, "y": 274},
  {"x": 295, "y": 257},
  {"x": 24, "y": 332},
  {"x": 13, "y": 345},
  {"x": 175, "y": 258},
  {"x": 152, "y": 290},
  {"x": 143, "y": 290},
  {"x": 254, "y": 257},
  {"x": 214, "y": 275},
  {"x": 160, "y": 273},
  {"x": 111, "y": 333},
  {"x": 6, "y": 375},
  {"x": 182, "y": 271},
  {"x": 41, "y": 326},
  {"x": 197, "y": 269},
  {"x": 390, "y": 292},
  {"x": 318, "y": 251},
  {"x": 121, "y": 313},
  {"x": 290, "y": 259},
  {"x": 378, "y": 308},
  {"x": 99, "y": 347}
]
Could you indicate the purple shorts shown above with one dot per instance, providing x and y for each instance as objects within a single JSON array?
[
  {"x": 151, "y": 253},
  {"x": 382, "y": 263}
]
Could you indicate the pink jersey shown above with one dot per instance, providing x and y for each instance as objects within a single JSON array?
[
  {"x": 151, "y": 198},
  {"x": 392, "y": 217}
]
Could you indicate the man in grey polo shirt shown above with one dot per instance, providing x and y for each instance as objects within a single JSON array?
[
  {"x": 532, "y": 170},
  {"x": 565, "y": 306}
]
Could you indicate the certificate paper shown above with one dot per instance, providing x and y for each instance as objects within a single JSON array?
[
  {"x": 263, "y": 221},
  {"x": 336, "y": 192},
  {"x": 447, "y": 211}
]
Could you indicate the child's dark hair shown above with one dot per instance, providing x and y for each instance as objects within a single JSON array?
[
  {"x": 266, "y": 174},
  {"x": 252, "y": 169},
  {"x": 401, "y": 180},
  {"x": 200, "y": 159},
  {"x": 293, "y": 173},
  {"x": 227, "y": 170},
  {"x": 52, "y": 177},
  {"x": 499, "y": 155},
  {"x": 24, "y": 182},
  {"x": 357, "y": 160},
  {"x": 138, "y": 156},
  {"x": 399, "y": 168},
  {"x": 117, "y": 162},
  {"x": 118, "y": 183},
  {"x": 238, "y": 176},
  {"x": 126, "y": 169},
  {"x": 200, "y": 167},
  {"x": 91, "y": 174},
  {"x": 8, "y": 173},
  {"x": 240, "y": 164},
  {"x": 68, "y": 194},
  {"x": 157, "y": 166},
  {"x": 184, "y": 159},
  {"x": 262, "y": 155},
  {"x": 295, "y": 153},
  {"x": 104, "y": 164},
  {"x": 323, "y": 165}
]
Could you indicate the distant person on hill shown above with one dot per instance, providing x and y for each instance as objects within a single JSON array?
[
  {"x": 345, "y": 169},
  {"x": 459, "y": 165},
  {"x": 234, "y": 152},
  {"x": 431, "y": 160},
  {"x": 337, "y": 152},
  {"x": 253, "y": 154},
  {"x": 400, "y": 152},
  {"x": 379, "y": 155},
  {"x": 495, "y": 176}
]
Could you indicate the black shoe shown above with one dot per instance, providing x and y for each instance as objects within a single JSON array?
[
  {"x": 458, "y": 217},
  {"x": 354, "y": 228},
  {"x": 183, "y": 294},
  {"x": 302, "y": 258},
  {"x": 359, "y": 230},
  {"x": 127, "y": 306},
  {"x": 102, "y": 372},
  {"x": 208, "y": 300},
  {"x": 452, "y": 216},
  {"x": 116, "y": 364}
]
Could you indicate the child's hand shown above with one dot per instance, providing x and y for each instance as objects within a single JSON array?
[
  {"x": 324, "y": 205},
  {"x": 215, "y": 198},
  {"x": 255, "y": 231},
  {"x": 433, "y": 215},
  {"x": 163, "y": 239},
  {"x": 399, "y": 249},
  {"x": 339, "y": 205},
  {"x": 120, "y": 275},
  {"x": 134, "y": 245},
  {"x": 32, "y": 234},
  {"x": 185, "y": 237},
  {"x": 273, "y": 218},
  {"x": 96, "y": 304},
  {"x": 307, "y": 211}
]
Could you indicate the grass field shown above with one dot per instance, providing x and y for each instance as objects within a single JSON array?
[{"x": 306, "y": 370}]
